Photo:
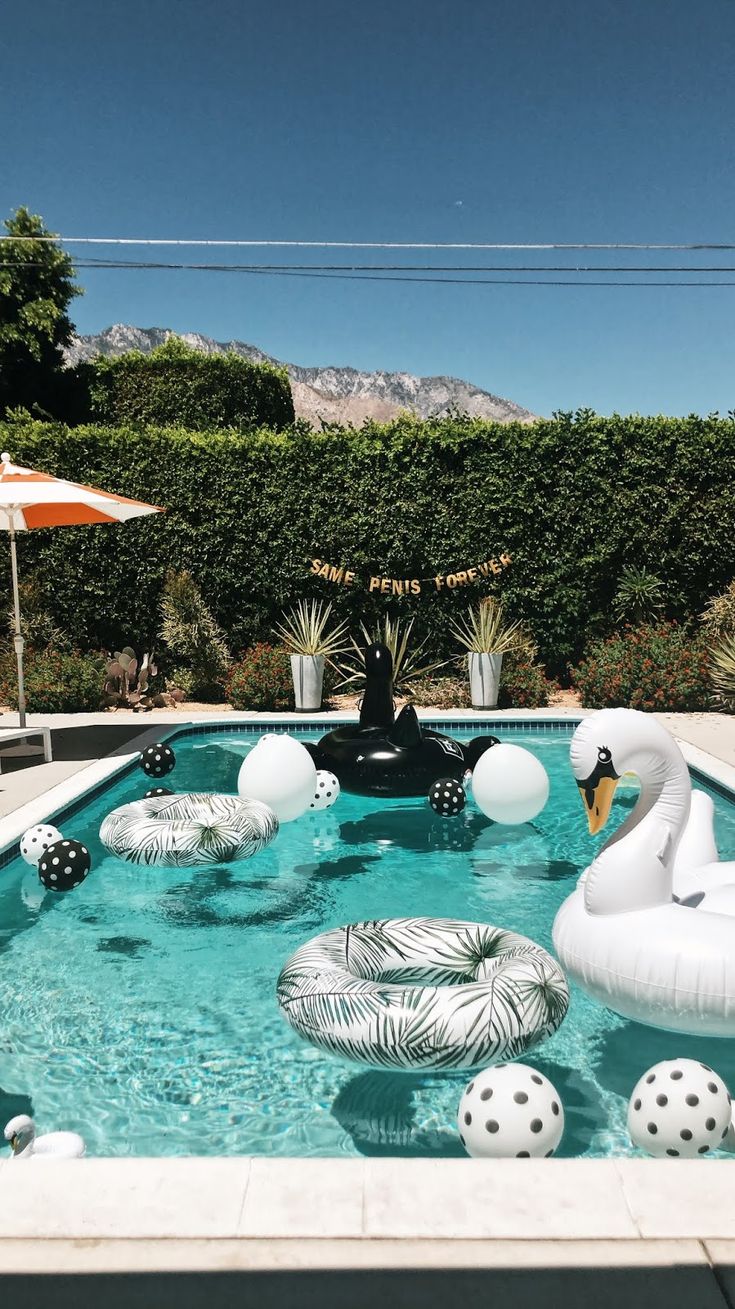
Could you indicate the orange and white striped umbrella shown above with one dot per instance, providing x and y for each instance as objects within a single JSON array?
[{"x": 29, "y": 499}]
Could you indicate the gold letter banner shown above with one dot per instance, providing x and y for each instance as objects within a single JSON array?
[{"x": 341, "y": 575}]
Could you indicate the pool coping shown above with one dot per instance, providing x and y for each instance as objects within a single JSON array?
[
  {"x": 209, "y": 1213},
  {"x": 314, "y": 1213}
]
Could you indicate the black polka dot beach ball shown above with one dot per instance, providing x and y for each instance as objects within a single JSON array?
[
  {"x": 447, "y": 797},
  {"x": 155, "y": 791},
  {"x": 157, "y": 760},
  {"x": 327, "y": 790},
  {"x": 64, "y": 865}
]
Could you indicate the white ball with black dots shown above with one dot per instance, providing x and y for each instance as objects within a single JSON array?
[
  {"x": 510, "y": 1111},
  {"x": 64, "y": 865},
  {"x": 155, "y": 791},
  {"x": 680, "y": 1109},
  {"x": 157, "y": 760},
  {"x": 327, "y": 790},
  {"x": 36, "y": 840},
  {"x": 447, "y": 797}
]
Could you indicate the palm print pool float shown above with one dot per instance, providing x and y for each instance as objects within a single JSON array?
[
  {"x": 415, "y": 993},
  {"x": 185, "y": 830}
]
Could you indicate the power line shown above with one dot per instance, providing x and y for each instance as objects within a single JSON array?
[
  {"x": 387, "y": 268},
  {"x": 378, "y": 245},
  {"x": 304, "y": 271}
]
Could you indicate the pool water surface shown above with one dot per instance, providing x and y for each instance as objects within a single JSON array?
[{"x": 140, "y": 1008}]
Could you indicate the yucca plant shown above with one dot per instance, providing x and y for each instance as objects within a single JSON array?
[
  {"x": 719, "y": 614},
  {"x": 639, "y": 597},
  {"x": 305, "y": 630},
  {"x": 485, "y": 630},
  {"x": 192, "y": 634},
  {"x": 407, "y": 667},
  {"x": 723, "y": 671},
  {"x": 39, "y": 629}
]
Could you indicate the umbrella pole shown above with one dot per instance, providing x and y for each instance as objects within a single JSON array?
[{"x": 18, "y": 641}]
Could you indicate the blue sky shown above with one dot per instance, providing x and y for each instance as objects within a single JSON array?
[{"x": 461, "y": 120}]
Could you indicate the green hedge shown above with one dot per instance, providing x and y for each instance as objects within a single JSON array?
[
  {"x": 175, "y": 384},
  {"x": 573, "y": 499}
]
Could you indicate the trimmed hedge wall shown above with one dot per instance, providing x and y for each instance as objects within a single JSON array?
[
  {"x": 573, "y": 499},
  {"x": 175, "y": 384}
]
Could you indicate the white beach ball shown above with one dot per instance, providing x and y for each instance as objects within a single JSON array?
[
  {"x": 510, "y": 1111},
  {"x": 327, "y": 790},
  {"x": 510, "y": 785},
  {"x": 679, "y": 1109},
  {"x": 279, "y": 771},
  {"x": 36, "y": 840}
]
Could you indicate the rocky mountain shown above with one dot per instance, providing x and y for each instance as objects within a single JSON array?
[{"x": 329, "y": 395}]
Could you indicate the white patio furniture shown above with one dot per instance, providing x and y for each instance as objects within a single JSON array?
[{"x": 8, "y": 734}]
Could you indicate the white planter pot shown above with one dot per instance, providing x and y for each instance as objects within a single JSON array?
[
  {"x": 484, "y": 679},
  {"x": 308, "y": 676}
]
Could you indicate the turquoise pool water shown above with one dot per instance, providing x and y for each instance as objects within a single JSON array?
[{"x": 140, "y": 1008}]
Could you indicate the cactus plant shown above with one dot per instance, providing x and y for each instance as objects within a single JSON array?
[{"x": 126, "y": 683}]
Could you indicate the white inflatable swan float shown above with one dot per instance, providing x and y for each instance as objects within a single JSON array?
[
  {"x": 21, "y": 1133},
  {"x": 650, "y": 929}
]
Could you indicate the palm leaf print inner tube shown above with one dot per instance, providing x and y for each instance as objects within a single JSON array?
[
  {"x": 185, "y": 830},
  {"x": 423, "y": 993}
]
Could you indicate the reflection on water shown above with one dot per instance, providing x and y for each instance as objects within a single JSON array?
[
  {"x": 132, "y": 947},
  {"x": 348, "y": 866},
  {"x": 415, "y": 827},
  {"x": 625, "y": 1054},
  {"x": 12, "y": 1104},
  {"x": 381, "y": 1114}
]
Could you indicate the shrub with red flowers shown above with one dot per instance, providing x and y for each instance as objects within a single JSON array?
[
  {"x": 523, "y": 684},
  {"x": 657, "y": 666},
  {"x": 261, "y": 679},
  {"x": 56, "y": 682}
]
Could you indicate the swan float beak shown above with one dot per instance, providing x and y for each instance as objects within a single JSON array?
[{"x": 597, "y": 792}]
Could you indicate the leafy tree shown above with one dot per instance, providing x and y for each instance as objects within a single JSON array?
[
  {"x": 175, "y": 384},
  {"x": 36, "y": 287}
]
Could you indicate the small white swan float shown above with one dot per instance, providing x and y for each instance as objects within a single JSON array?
[
  {"x": 650, "y": 929},
  {"x": 21, "y": 1133}
]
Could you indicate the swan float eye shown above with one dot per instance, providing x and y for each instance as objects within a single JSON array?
[{"x": 604, "y": 755}]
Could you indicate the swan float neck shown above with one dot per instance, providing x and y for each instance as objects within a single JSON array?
[{"x": 634, "y": 870}]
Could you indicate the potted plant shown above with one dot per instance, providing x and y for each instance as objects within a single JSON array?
[
  {"x": 487, "y": 637},
  {"x": 310, "y": 641}
]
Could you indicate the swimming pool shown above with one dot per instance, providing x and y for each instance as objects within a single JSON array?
[{"x": 140, "y": 1009}]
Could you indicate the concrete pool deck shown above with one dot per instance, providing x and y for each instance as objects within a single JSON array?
[
  {"x": 273, "y": 1233},
  {"x": 364, "y": 1233}
]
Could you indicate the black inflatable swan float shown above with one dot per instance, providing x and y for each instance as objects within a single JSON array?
[{"x": 390, "y": 756}]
